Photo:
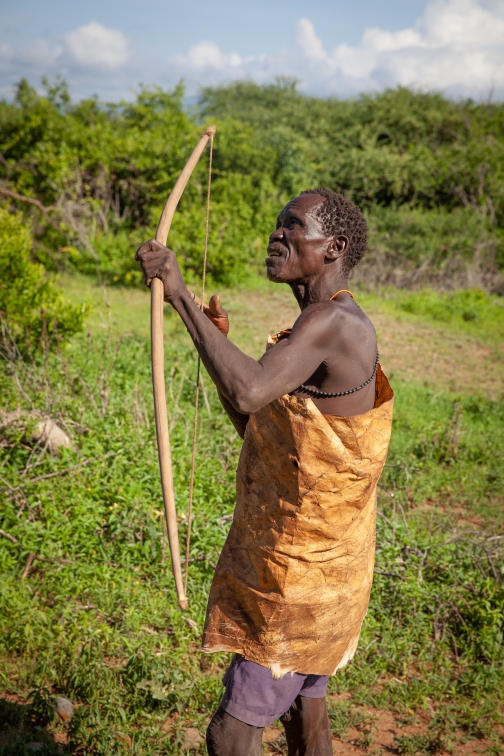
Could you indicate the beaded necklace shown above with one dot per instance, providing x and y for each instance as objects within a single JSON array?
[{"x": 330, "y": 394}]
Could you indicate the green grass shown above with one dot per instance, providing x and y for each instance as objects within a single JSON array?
[
  {"x": 470, "y": 311},
  {"x": 99, "y": 622}
]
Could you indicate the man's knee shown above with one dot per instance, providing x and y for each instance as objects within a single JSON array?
[{"x": 227, "y": 736}]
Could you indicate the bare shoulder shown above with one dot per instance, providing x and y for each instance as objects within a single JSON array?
[{"x": 334, "y": 322}]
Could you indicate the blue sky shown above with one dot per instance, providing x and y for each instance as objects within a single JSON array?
[{"x": 332, "y": 47}]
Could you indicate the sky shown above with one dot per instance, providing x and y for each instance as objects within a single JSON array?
[{"x": 331, "y": 47}]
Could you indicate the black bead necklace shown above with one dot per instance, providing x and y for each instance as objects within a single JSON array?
[{"x": 329, "y": 394}]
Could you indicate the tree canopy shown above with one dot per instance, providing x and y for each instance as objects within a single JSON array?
[{"x": 417, "y": 163}]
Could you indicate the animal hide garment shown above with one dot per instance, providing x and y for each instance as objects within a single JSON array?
[{"x": 292, "y": 584}]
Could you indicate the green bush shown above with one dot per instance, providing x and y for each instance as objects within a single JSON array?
[
  {"x": 416, "y": 247},
  {"x": 427, "y": 170},
  {"x": 32, "y": 310}
]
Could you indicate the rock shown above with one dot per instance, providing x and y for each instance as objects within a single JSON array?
[
  {"x": 193, "y": 738},
  {"x": 36, "y": 428},
  {"x": 64, "y": 709},
  {"x": 47, "y": 432},
  {"x": 34, "y": 747},
  {"x": 124, "y": 739}
]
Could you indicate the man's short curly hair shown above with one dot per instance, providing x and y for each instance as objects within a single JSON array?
[{"x": 340, "y": 216}]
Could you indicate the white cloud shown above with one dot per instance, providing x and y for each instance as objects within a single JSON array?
[
  {"x": 456, "y": 46},
  {"x": 308, "y": 41},
  {"x": 206, "y": 55},
  {"x": 95, "y": 46},
  {"x": 92, "y": 46}
]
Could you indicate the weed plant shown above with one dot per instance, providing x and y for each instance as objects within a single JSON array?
[{"x": 87, "y": 602}]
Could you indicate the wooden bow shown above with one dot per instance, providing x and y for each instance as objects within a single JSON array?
[{"x": 158, "y": 382}]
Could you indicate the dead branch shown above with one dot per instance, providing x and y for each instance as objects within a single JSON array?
[
  {"x": 30, "y": 200},
  {"x": 35, "y": 202},
  {"x": 32, "y": 557},
  {"x": 390, "y": 574},
  {"x": 9, "y": 537},
  {"x": 392, "y": 495}
]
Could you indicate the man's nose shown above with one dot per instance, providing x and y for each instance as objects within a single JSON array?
[{"x": 277, "y": 234}]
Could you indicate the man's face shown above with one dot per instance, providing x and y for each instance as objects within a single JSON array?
[{"x": 297, "y": 248}]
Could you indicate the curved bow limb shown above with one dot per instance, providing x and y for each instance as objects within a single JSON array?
[{"x": 158, "y": 381}]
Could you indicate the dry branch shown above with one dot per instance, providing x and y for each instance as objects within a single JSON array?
[
  {"x": 9, "y": 537},
  {"x": 30, "y": 200}
]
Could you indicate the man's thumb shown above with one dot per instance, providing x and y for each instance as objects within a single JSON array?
[{"x": 215, "y": 307}]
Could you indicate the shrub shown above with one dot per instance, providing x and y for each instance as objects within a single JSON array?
[{"x": 32, "y": 311}]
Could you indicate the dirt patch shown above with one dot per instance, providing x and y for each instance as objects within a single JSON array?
[
  {"x": 387, "y": 736},
  {"x": 441, "y": 359}
]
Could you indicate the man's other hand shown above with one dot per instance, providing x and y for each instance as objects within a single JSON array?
[
  {"x": 214, "y": 312},
  {"x": 158, "y": 261}
]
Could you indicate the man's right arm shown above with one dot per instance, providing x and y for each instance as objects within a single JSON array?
[{"x": 246, "y": 383}]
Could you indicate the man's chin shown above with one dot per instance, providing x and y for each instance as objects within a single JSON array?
[{"x": 274, "y": 275}]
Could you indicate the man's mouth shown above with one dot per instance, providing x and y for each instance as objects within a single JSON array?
[{"x": 274, "y": 251}]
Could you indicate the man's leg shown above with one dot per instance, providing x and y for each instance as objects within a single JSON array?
[
  {"x": 227, "y": 736},
  {"x": 307, "y": 728}
]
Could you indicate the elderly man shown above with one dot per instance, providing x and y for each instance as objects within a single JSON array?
[{"x": 292, "y": 585}]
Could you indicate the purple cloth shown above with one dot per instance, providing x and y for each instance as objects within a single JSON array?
[{"x": 254, "y": 697}]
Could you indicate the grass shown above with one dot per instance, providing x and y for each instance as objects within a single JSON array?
[
  {"x": 471, "y": 312},
  {"x": 97, "y": 621}
]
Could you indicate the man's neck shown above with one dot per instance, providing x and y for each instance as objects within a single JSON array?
[{"x": 309, "y": 292}]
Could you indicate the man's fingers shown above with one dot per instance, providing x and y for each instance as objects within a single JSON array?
[
  {"x": 195, "y": 299},
  {"x": 214, "y": 306},
  {"x": 143, "y": 248},
  {"x": 151, "y": 247},
  {"x": 149, "y": 256},
  {"x": 152, "y": 269},
  {"x": 214, "y": 312}
]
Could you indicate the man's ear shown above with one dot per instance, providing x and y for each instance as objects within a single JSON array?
[{"x": 337, "y": 247}]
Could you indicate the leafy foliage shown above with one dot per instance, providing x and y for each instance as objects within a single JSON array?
[
  {"x": 33, "y": 311},
  {"x": 417, "y": 247},
  {"x": 391, "y": 148},
  {"x": 103, "y": 172}
]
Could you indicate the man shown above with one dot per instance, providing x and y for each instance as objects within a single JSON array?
[{"x": 293, "y": 581}]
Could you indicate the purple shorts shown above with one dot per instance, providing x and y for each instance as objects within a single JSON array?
[{"x": 254, "y": 697}]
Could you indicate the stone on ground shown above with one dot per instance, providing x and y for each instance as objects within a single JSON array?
[{"x": 64, "y": 709}]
